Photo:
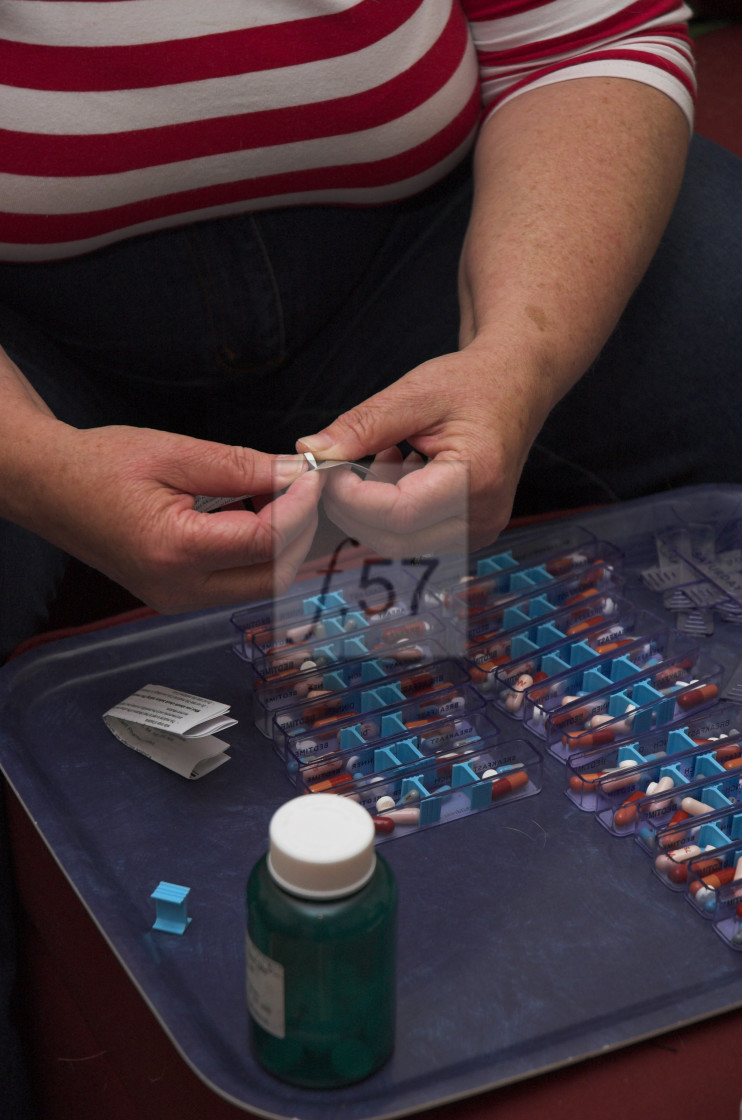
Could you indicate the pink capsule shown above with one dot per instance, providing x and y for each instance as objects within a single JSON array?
[
  {"x": 408, "y": 815},
  {"x": 693, "y": 807}
]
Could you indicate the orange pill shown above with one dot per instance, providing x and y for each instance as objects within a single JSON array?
[
  {"x": 719, "y": 878},
  {"x": 732, "y": 763},
  {"x": 728, "y": 752},
  {"x": 421, "y": 682},
  {"x": 584, "y": 740},
  {"x": 582, "y": 783},
  {"x": 594, "y": 620},
  {"x": 627, "y": 812},
  {"x": 330, "y": 785},
  {"x": 504, "y": 785},
  {"x": 697, "y": 696},
  {"x": 706, "y": 867}
]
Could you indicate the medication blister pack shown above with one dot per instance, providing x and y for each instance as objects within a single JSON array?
[{"x": 427, "y": 695}]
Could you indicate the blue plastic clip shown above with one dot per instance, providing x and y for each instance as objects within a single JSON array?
[{"x": 171, "y": 903}]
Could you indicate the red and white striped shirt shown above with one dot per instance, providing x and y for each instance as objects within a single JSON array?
[{"x": 118, "y": 117}]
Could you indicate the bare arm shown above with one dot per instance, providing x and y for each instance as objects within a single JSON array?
[
  {"x": 574, "y": 184},
  {"x": 121, "y": 499}
]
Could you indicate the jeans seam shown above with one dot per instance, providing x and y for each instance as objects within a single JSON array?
[
  {"x": 275, "y": 288},
  {"x": 203, "y": 272}
]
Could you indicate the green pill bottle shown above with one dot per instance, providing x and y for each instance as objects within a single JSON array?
[{"x": 321, "y": 945}]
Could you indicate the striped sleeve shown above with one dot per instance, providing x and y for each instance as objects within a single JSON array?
[{"x": 524, "y": 44}]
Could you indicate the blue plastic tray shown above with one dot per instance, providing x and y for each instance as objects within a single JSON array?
[{"x": 529, "y": 937}]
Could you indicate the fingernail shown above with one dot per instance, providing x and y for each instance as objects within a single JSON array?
[
  {"x": 286, "y": 468},
  {"x": 319, "y": 442}
]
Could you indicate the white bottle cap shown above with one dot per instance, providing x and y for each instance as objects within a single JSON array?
[{"x": 321, "y": 846}]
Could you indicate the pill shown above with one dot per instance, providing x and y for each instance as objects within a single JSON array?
[
  {"x": 383, "y": 824},
  {"x": 626, "y": 813},
  {"x": 384, "y": 803},
  {"x": 588, "y": 593},
  {"x": 693, "y": 807},
  {"x": 489, "y": 774},
  {"x": 719, "y": 878},
  {"x": 702, "y": 869},
  {"x": 407, "y": 630},
  {"x": 669, "y": 838},
  {"x": 411, "y": 797},
  {"x": 666, "y": 678},
  {"x": 305, "y": 747},
  {"x": 608, "y": 647},
  {"x": 333, "y": 783},
  {"x": 584, "y": 740},
  {"x": 304, "y": 632},
  {"x": 408, "y": 815},
  {"x": 728, "y": 752},
  {"x": 504, "y": 785},
  {"x": 664, "y": 785},
  {"x": 407, "y": 655},
  {"x": 582, "y": 783},
  {"x": 622, "y": 780},
  {"x": 516, "y": 695},
  {"x": 664, "y": 861},
  {"x": 318, "y": 770},
  {"x": 577, "y": 627},
  {"x": 696, "y": 696},
  {"x": 732, "y": 764}
]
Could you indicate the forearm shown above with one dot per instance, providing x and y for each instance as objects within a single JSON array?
[
  {"x": 28, "y": 430},
  {"x": 574, "y": 184}
]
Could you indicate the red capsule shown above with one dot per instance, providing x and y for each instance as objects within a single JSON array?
[
  {"x": 583, "y": 740},
  {"x": 728, "y": 752},
  {"x": 583, "y": 783},
  {"x": 671, "y": 838},
  {"x": 330, "y": 785},
  {"x": 407, "y": 630},
  {"x": 383, "y": 824},
  {"x": 626, "y": 813},
  {"x": 697, "y": 696},
  {"x": 703, "y": 867},
  {"x": 504, "y": 785},
  {"x": 594, "y": 620}
]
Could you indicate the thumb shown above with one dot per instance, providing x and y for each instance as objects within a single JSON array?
[{"x": 395, "y": 414}]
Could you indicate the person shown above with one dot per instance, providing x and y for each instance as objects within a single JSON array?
[{"x": 470, "y": 228}]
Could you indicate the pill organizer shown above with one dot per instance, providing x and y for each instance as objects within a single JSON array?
[
  {"x": 397, "y": 720},
  {"x": 680, "y": 743},
  {"x": 402, "y": 662},
  {"x": 449, "y": 735},
  {"x": 633, "y": 703},
  {"x": 349, "y": 644},
  {"x": 534, "y": 561},
  {"x": 714, "y": 890},
  {"x": 618, "y": 643},
  {"x": 452, "y": 785},
  {"x": 568, "y": 632},
  {"x": 330, "y": 606}
]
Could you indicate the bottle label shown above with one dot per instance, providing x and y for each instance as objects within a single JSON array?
[{"x": 265, "y": 991}]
